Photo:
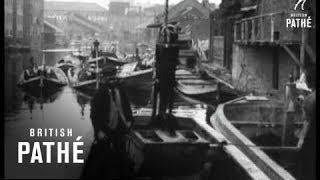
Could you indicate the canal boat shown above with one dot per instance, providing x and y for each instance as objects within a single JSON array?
[
  {"x": 84, "y": 79},
  {"x": 205, "y": 89},
  {"x": 65, "y": 65},
  {"x": 156, "y": 153},
  {"x": 259, "y": 127},
  {"x": 106, "y": 61},
  {"x": 131, "y": 76},
  {"x": 89, "y": 79},
  {"x": 45, "y": 77}
]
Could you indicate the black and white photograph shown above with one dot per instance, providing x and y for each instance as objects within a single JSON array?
[{"x": 160, "y": 89}]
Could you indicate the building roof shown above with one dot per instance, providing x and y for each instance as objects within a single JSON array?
[
  {"x": 73, "y": 6},
  {"x": 178, "y": 8},
  {"x": 57, "y": 30},
  {"x": 145, "y": 24}
]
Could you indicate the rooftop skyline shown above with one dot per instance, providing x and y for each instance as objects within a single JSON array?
[{"x": 143, "y": 3}]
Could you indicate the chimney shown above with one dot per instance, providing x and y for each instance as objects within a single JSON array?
[{"x": 205, "y": 3}]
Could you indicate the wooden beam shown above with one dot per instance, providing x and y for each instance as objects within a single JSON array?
[
  {"x": 257, "y": 123},
  {"x": 272, "y": 29},
  {"x": 302, "y": 47},
  {"x": 261, "y": 29},
  {"x": 234, "y": 152},
  {"x": 293, "y": 56},
  {"x": 246, "y": 31},
  {"x": 260, "y": 16},
  {"x": 310, "y": 52},
  {"x": 235, "y": 31},
  {"x": 252, "y": 30},
  {"x": 267, "y": 148},
  {"x": 261, "y": 159},
  {"x": 242, "y": 31}
]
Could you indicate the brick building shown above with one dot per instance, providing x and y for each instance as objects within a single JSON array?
[
  {"x": 8, "y": 18},
  {"x": 79, "y": 21},
  {"x": 118, "y": 8},
  {"x": 53, "y": 37},
  {"x": 17, "y": 19}
]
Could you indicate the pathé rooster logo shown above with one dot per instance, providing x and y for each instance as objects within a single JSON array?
[{"x": 302, "y": 2}]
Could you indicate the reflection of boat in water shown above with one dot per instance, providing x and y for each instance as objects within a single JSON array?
[
  {"x": 42, "y": 96},
  {"x": 256, "y": 124},
  {"x": 83, "y": 98},
  {"x": 44, "y": 77},
  {"x": 206, "y": 89},
  {"x": 131, "y": 76}
]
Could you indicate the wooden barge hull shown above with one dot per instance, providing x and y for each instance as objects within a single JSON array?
[
  {"x": 156, "y": 154},
  {"x": 89, "y": 86},
  {"x": 34, "y": 83},
  {"x": 140, "y": 80},
  {"x": 222, "y": 124},
  {"x": 203, "y": 90}
]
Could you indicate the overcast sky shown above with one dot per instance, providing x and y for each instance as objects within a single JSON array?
[{"x": 144, "y": 2}]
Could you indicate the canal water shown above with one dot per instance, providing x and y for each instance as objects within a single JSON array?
[{"x": 66, "y": 108}]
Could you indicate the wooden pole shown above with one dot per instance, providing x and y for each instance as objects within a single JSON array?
[
  {"x": 166, "y": 12},
  {"x": 261, "y": 29},
  {"x": 252, "y": 30},
  {"x": 302, "y": 48},
  {"x": 293, "y": 56},
  {"x": 211, "y": 41},
  {"x": 97, "y": 70},
  {"x": 272, "y": 29}
]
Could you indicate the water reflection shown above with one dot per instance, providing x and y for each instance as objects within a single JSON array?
[
  {"x": 57, "y": 110},
  {"x": 66, "y": 108},
  {"x": 83, "y": 99}
]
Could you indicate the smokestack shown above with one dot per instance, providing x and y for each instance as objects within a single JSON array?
[{"x": 205, "y": 3}]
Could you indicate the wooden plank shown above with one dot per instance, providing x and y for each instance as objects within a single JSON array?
[
  {"x": 235, "y": 31},
  {"x": 235, "y": 153},
  {"x": 310, "y": 52},
  {"x": 245, "y": 123},
  {"x": 184, "y": 37},
  {"x": 272, "y": 29},
  {"x": 220, "y": 80},
  {"x": 246, "y": 32},
  {"x": 269, "y": 148},
  {"x": 264, "y": 162},
  {"x": 275, "y": 68},
  {"x": 242, "y": 31},
  {"x": 260, "y": 16},
  {"x": 293, "y": 56},
  {"x": 302, "y": 47},
  {"x": 252, "y": 30},
  {"x": 261, "y": 29}
]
